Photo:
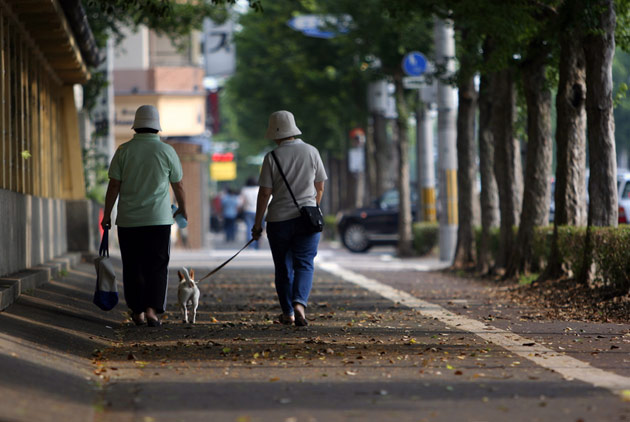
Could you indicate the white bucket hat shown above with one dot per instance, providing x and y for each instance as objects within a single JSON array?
[
  {"x": 281, "y": 125},
  {"x": 147, "y": 116}
]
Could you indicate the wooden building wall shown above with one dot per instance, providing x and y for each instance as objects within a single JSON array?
[{"x": 40, "y": 153}]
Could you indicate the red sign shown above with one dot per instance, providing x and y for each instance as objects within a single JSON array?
[{"x": 222, "y": 157}]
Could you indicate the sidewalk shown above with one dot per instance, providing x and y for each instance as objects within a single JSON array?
[{"x": 363, "y": 357}]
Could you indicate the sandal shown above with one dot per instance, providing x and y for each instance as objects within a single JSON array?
[
  {"x": 138, "y": 319},
  {"x": 153, "y": 322},
  {"x": 152, "y": 319},
  {"x": 285, "y": 319},
  {"x": 300, "y": 321}
]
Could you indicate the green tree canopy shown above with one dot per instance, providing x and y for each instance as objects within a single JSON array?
[{"x": 320, "y": 81}]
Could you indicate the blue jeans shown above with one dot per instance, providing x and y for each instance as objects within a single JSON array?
[
  {"x": 229, "y": 226},
  {"x": 293, "y": 254}
]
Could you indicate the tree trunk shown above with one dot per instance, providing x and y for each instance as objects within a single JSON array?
[
  {"x": 383, "y": 153},
  {"x": 370, "y": 157},
  {"x": 507, "y": 160},
  {"x": 536, "y": 195},
  {"x": 570, "y": 187},
  {"x": 599, "y": 49},
  {"x": 404, "y": 198},
  {"x": 489, "y": 194},
  {"x": 465, "y": 249}
]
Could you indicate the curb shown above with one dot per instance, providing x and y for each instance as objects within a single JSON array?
[{"x": 13, "y": 285}]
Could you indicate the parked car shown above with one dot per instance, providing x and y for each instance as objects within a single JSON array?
[
  {"x": 623, "y": 196},
  {"x": 623, "y": 189},
  {"x": 377, "y": 224}
]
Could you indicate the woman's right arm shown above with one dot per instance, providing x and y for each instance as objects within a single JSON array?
[
  {"x": 113, "y": 189},
  {"x": 261, "y": 206},
  {"x": 319, "y": 188}
]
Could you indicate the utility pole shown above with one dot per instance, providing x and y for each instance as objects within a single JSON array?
[
  {"x": 447, "y": 135},
  {"x": 426, "y": 165}
]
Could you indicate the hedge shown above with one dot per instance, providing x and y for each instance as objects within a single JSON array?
[
  {"x": 610, "y": 258},
  {"x": 611, "y": 248},
  {"x": 330, "y": 227},
  {"x": 425, "y": 237}
]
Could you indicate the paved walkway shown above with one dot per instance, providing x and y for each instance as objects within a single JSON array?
[{"x": 363, "y": 356}]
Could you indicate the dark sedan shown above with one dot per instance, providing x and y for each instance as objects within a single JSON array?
[{"x": 377, "y": 224}]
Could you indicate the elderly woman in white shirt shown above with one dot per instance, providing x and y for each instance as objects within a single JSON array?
[{"x": 293, "y": 248}]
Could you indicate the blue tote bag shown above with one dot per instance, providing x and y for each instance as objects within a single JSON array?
[{"x": 106, "y": 294}]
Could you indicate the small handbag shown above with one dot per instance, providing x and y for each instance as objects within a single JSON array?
[
  {"x": 106, "y": 293},
  {"x": 312, "y": 217}
]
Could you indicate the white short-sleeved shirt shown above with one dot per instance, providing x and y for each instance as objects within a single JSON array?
[
  {"x": 303, "y": 167},
  {"x": 249, "y": 197}
]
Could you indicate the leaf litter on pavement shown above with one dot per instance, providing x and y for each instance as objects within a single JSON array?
[{"x": 361, "y": 337}]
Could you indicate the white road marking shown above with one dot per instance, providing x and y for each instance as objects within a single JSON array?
[{"x": 570, "y": 368}]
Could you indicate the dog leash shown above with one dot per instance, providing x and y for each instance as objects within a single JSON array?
[{"x": 226, "y": 262}]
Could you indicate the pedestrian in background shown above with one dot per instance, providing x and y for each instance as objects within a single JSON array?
[
  {"x": 249, "y": 195},
  {"x": 229, "y": 205},
  {"x": 216, "y": 216},
  {"x": 139, "y": 176},
  {"x": 293, "y": 248}
]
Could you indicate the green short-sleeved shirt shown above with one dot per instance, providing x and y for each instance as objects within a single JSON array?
[{"x": 146, "y": 167}]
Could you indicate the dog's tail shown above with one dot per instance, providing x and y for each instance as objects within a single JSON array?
[{"x": 189, "y": 280}]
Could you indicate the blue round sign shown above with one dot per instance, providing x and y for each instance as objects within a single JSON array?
[{"x": 414, "y": 64}]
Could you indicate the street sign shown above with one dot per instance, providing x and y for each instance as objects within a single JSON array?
[
  {"x": 413, "y": 82},
  {"x": 428, "y": 93},
  {"x": 414, "y": 64},
  {"x": 223, "y": 171},
  {"x": 321, "y": 26}
]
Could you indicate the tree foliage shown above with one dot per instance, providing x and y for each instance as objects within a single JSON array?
[
  {"x": 320, "y": 81},
  {"x": 168, "y": 17}
]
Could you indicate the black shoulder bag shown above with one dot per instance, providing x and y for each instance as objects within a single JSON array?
[{"x": 312, "y": 217}]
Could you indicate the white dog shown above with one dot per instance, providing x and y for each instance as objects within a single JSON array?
[{"x": 188, "y": 293}]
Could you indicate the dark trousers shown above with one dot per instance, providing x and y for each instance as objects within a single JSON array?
[{"x": 145, "y": 254}]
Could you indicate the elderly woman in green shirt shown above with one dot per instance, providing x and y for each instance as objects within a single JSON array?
[{"x": 139, "y": 176}]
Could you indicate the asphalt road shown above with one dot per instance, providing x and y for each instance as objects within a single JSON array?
[{"x": 386, "y": 341}]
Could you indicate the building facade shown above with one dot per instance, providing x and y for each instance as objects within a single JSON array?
[
  {"x": 45, "y": 50},
  {"x": 150, "y": 69}
]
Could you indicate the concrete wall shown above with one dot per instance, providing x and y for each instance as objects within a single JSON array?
[
  {"x": 133, "y": 52},
  {"x": 33, "y": 231},
  {"x": 83, "y": 220}
]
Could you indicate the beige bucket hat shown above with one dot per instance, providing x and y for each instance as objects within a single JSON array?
[
  {"x": 147, "y": 116},
  {"x": 281, "y": 125}
]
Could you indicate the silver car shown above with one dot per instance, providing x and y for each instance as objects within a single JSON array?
[{"x": 623, "y": 188}]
